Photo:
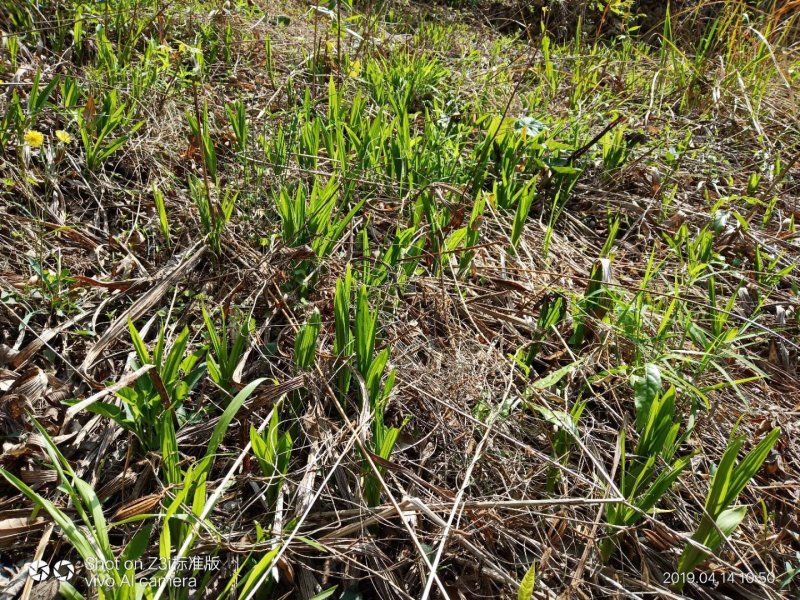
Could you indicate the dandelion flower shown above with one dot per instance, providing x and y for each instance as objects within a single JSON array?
[
  {"x": 63, "y": 136},
  {"x": 34, "y": 138}
]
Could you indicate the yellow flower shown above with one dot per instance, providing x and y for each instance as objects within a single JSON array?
[
  {"x": 63, "y": 136},
  {"x": 34, "y": 138},
  {"x": 355, "y": 68}
]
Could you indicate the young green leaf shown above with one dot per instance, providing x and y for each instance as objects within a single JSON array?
[{"x": 527, "y": 584}]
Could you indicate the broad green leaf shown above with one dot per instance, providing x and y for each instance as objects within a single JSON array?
[
  {"x": 660, "y": 486},
  {"x": 558, "y": 418},
  {"x": 92, "y": 502},
  {"x": 254, "y": 577},
  {"x": 107, "y": 410},
  {"x": 224, "y": 421},
  {"x": 646, "y": 388},
  {"x": 325, "y": 593},
  {"x": 169, "y": 449},
  {"x": 720, "y": 483},
  {"x": 556, "y": 376},
  {"x": 261, "y": 451},
  {"x": 366, "y": 321},
  {"x": 69, "y": 592},
  {"x": 306, "y": 342},
  {"x": 138, "y": 344},
  {"x": 373, "y": 375},
  {"x": 455, "y": 238},
  {"x": 750, "y": 465},
  {"x": 726, "y": 485},
  {"x": 67, "y": 525},
  {"x": 385, "y": 451},
  {"x": 170, "y": 370},
  {"x": 138, "y": 544},
  {"x": 521, "y": 214},
  {"x": 726, "y": 522}
]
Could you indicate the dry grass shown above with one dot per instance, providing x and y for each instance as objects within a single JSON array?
[{"x": 474, "y": 491}]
